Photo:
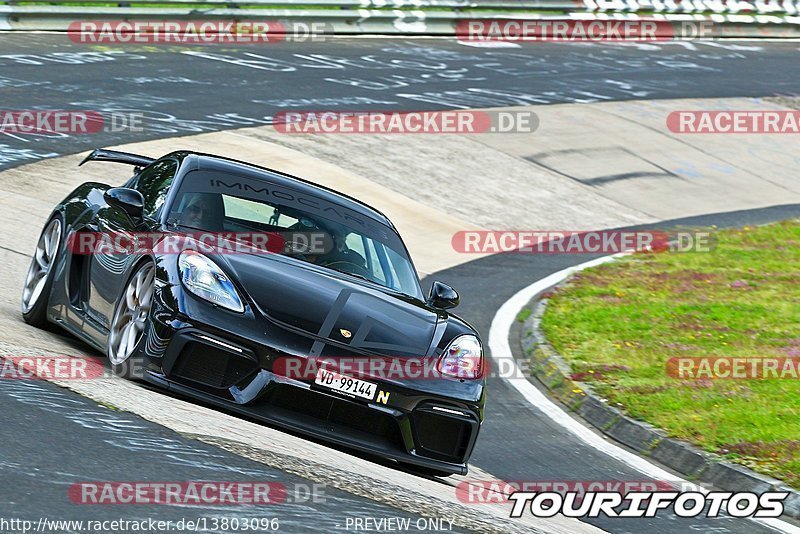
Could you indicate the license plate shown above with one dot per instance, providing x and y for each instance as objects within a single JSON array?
[{"x": 345, "y": 384}]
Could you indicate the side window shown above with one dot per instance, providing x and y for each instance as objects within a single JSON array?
[
  {"x": 373, "y": 260},
  {"x": 154, "y": 182},
  {"x": 355, "y": 242}
]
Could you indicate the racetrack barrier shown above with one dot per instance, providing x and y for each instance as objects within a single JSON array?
[{"x": 730, "y": 18}]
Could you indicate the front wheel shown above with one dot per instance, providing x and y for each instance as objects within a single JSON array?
[
  {"x": 39, "y": 280},
  {"x": 130, "y": 319}
]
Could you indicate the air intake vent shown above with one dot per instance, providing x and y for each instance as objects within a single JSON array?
[
  {"x": 443, "y": 434},
  {"x": 212, "y": 366}
]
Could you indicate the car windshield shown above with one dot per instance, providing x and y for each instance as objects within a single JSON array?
[{"x": 311, "y": 229}]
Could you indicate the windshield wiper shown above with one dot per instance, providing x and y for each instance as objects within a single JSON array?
[
  {"x": 173, "y": 223},
  {"x": 362, "y": 277},
  {"x": 359, "y": 276}
]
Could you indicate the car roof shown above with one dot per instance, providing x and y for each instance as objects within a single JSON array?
[{"x": 211, "y": 162}]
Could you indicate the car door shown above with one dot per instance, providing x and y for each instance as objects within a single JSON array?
[{"x": 109, "y": 268}]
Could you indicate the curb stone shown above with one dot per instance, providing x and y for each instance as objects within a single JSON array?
[{"x": 547, "y": 365}]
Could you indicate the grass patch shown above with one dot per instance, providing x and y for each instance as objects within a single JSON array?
[{"x": 618, "y": 324}]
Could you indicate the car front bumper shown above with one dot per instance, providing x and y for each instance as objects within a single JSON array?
[{"x": 413, "y": 423}]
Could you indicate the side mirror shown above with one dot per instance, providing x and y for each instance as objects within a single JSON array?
[
  {"x": 128, "y": 200},
  {"x": 443, "y": 296}
]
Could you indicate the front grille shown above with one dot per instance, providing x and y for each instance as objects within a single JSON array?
[
  {"x": 442, "y": 436},
  {"x": 211, "y": 366},
  {"x": 328, "y": 412}
]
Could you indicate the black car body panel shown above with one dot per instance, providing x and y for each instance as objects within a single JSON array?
[
  {"x": 117, "y": 157},
  {"x": 292, "y": 309}
]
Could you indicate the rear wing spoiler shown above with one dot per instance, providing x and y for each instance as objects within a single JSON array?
[{"x": 100, "y": 154}]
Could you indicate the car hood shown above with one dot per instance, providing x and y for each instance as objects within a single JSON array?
[{"x": 327, "y": 306}]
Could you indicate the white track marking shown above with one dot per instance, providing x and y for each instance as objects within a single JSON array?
[
  {"x": 489, "y": 44},
  {"x": 500, "y": 349}
]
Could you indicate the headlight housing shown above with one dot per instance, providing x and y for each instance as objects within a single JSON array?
[
  {"x": 205, "y": 279},
  {"x": 463, "y": 358}
]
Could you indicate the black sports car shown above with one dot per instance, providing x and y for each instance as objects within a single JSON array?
[{"x": 335, "y": 340}]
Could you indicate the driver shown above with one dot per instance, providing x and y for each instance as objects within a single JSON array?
[
  {"x": 341, "y": 252},
  {"x": 200, "y": 212}
]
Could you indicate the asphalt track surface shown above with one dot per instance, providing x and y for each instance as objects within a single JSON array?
[
  {"x": 55, "y": 439},
  {"x": 187, "y": 89},
  {"x": 183, "y": 90}
]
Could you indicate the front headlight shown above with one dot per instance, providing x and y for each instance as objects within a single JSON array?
[
  {"x": 205, "y": 279},
  {"x": 463, "y": 358}
]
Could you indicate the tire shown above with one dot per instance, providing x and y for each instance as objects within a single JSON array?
[
  {"x": 129, "y": 321},
  {"x": 39, "y": 279}
]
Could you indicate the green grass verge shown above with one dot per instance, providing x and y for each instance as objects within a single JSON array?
[{"x": 618, "y": 324}]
